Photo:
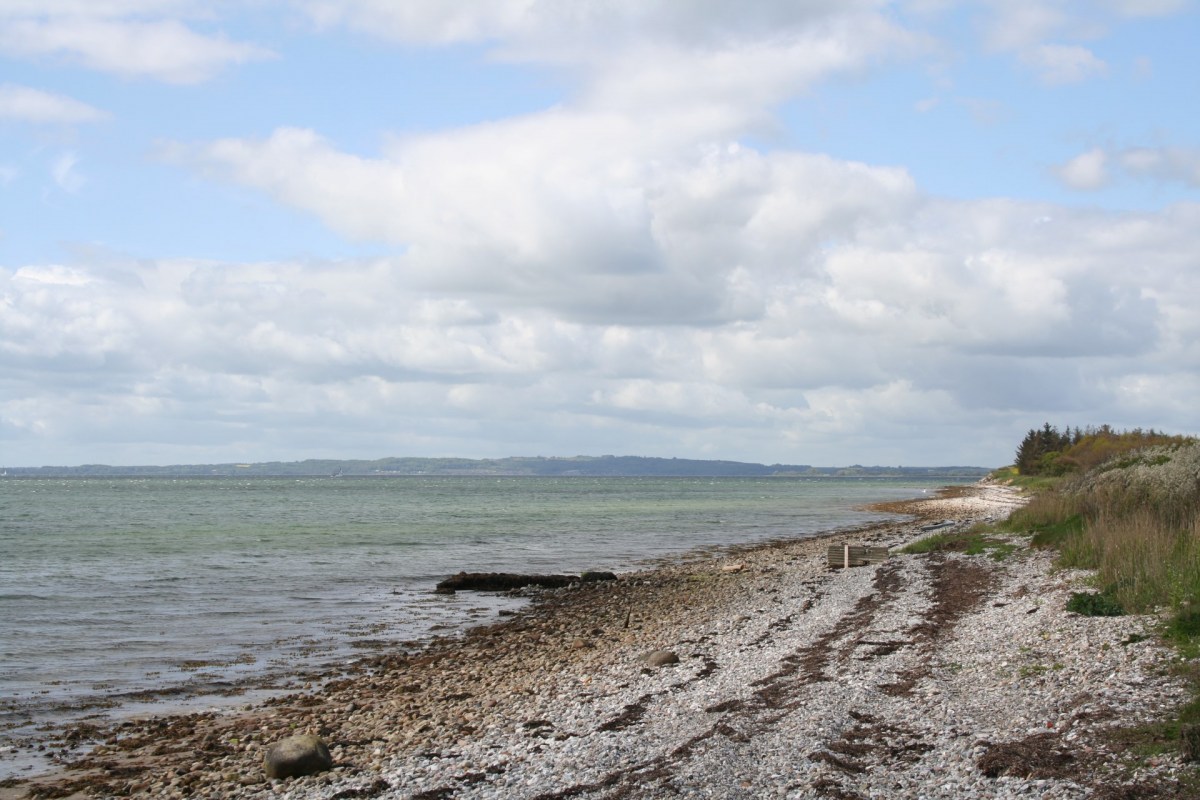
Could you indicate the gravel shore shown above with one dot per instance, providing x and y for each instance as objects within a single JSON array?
[{"x": 940, "y": 675}]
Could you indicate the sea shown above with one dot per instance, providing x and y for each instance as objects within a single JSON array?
[{"x": 122, "y": 595}]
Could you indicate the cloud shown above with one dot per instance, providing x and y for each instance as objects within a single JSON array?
[
  {"x": 1147, "y": 8},
  {"x": 1086, "y": 171},
  {"x": 1045, "y": 34},
  {"x": 109, "y": 38},
  {"x": 624, "y": 266},
  {"x": 601, "y": 204},
  {"x": 1009, "y": 26},
  {"x": 1164, "y": 163},
  {"x": 940, "y": 311},
  {"x": 32, "y": 105},
  {"x": 580, "y": 213},
  {"x": 1057, "y": 64},
  {"x": 530, "y": 23},
  {"x": 1091, "y": 170},
  {"x": 64, "y": 173}
]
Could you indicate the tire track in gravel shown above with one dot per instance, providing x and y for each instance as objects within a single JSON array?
[
  {"x": 774, "y": 697},
  {"x": 957, "y": 587}
]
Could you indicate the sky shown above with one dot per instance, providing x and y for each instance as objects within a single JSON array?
[{"x": 822, "y": 232}]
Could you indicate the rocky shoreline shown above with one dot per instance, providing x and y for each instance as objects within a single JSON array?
[{"x": 940, "y": 675}]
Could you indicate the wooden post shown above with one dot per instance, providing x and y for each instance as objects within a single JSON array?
[{"x": 846, "y": 556}]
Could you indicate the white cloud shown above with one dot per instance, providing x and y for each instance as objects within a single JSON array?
[
  {"x": 1086, "y": 171},
  {"x": 937, "y": 311},
  {"x": 576, "y": 212},
  {"x": 64, "y": 173},
  {"x": 1017, "y": 26},
  {"x": 1045, "y": 34},
  {"x": 1058, "y": 64},
  {"x": 1092, "y": 169},
  {"x": 32, "y": 105},
  {"x": 622, "y": 267},
  {"x": 113, "y": 37},
  {"x": 1147, "y": 8},
  {"x": 527, "y": 22},
  {"x": 1164, "y": 163}
]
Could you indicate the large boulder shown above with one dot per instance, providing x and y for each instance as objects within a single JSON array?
[
  {"x": 593, "y": 575},
  {"x": 304, "y": 754}
]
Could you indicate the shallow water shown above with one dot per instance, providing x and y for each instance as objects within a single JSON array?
[{"x": 110, "y": 587}]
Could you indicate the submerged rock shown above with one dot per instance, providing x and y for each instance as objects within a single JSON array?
[{"x": 304, "y": 754}]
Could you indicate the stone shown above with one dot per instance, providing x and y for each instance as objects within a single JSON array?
[
  {"x": 594, "y": 575},
  {"x": 501, "y": 582},
  {"x": 660, "y": 658},
  {"x": 303, "y": 754},
  {"x": 732, "y": 568}
]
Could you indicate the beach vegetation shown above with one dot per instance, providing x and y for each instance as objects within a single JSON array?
[
  {"x": 1047, "y": 451},
  {"x": 974, "y": 541},
  {"x": 1126, "y": 505},
  {"x": 1094, "y": 604}
]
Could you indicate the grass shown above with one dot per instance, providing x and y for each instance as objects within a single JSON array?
[
  {"x": 1028, "y": 483},
  {"x": 974, "y": 541},
  {"x": 1135, "y": 520},
  {"x": 1050, "y": 519},
  {"x": 1091, "y": 604}
]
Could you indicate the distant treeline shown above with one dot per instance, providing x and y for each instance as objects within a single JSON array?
[
  {"x": 1049, "y": 451},
  {"x": 628, "y": 466}
]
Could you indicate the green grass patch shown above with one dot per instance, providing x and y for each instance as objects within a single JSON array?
[
  {"x": 1093, "y": 604},
  {"x": 1055, "y": 534},
  {"x": 973, "y": 542},
  {"x": 1036, "y": 483}
]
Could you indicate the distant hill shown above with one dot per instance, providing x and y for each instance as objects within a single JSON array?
[{"x": 518, "y": 465}]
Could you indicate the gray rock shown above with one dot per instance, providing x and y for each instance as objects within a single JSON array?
[
  {"x": 661, "y": 658},
  {"x": 304, "y": 754}
]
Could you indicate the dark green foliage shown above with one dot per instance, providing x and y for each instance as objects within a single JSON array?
[
  {"x": 1039, "y": 451},
  {"x": 1047, "y": 451},
  {"x": 1090, "y": 604},
  {"x": 1189, "y": 741},
  {"x": 1186, "y": 622}
]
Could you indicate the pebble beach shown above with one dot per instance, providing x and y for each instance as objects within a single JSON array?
[{"x": 749, "y": 672}]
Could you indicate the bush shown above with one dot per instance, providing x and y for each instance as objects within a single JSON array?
[{"x": 1090, "y": 604}]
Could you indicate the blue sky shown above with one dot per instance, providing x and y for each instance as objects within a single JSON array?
[{"x": 805, "y": 232}]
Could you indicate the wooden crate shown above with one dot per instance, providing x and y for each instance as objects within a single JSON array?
[{"x": 849, "y": 555}]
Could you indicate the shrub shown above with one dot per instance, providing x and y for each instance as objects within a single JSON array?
[{"x": 1090, "y": 604}]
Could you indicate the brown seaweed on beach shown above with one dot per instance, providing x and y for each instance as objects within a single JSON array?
[{"x": 1035, "y": 757}]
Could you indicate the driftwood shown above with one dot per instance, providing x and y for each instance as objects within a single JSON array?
[{"x": 506, "y": 581}]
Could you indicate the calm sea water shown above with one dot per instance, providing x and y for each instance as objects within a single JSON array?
[{"x": 109, "y": 587}]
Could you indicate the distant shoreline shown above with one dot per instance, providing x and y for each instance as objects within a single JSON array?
[{"x": 516, "y": 466}]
